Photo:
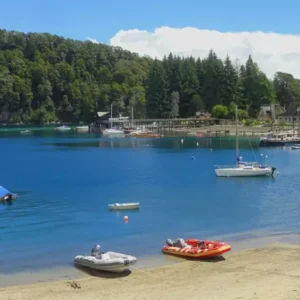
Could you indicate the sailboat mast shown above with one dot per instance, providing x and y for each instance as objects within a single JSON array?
[
  {"x": 132, "y": 116},
  {"x": 111, "y": 116},
  {"x": 237, "y": 132}
]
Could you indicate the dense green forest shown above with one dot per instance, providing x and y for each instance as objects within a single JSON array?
[{"x": 46, "y": 78}]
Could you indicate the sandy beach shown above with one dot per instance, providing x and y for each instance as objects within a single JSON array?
[{"x": 270, "y": 272}]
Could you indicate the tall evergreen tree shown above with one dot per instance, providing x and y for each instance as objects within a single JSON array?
[
  {"x": 213, "y": 80},
  {"x": 258, "y": 89},
  {"x": 232, "y": 89},
  {"x": 200, "y": 76},
  {"x": 157, "y": 92},
  {"x": 189, "y": 85}
]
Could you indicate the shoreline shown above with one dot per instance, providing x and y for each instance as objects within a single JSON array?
[
  {"x": 238, "y": 241},
  {"x": 269, "y": 272}
]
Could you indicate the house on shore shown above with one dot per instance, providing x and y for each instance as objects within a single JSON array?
[
  {"x": 291, "y": 115},
  {"x": 269, "y": 112}
]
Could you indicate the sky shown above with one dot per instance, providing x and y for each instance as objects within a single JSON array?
[{"x": 268, "y": 30}]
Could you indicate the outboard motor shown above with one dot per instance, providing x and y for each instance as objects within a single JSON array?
[
  {"x": 181, "y": 243},
  {"x": 273, "y": 170},
  {"x": 96, "y": 251},
  {"x": 170, "y": 243}
]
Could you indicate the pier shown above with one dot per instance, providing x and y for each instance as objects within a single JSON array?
[
  {"x": 192, "y": 126},
  {"x": 160, "y": 124}
]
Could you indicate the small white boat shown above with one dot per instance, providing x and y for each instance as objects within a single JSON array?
[
  {"x": 25, "y": 132},
  {"x": 124, "y": 206},
  {"x": 63, "y": 128},
  {"x": 113, "y": 131},
  {"x": 107, "y": 261},
  {"x": 82, "y": 128},
  {"x": 295, "y": 147}
]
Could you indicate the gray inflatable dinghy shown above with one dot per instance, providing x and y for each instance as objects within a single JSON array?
[{"x": 107, "y": 261}]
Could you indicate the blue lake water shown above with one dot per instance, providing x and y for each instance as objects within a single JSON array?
[{"x": 66, "y": 182}]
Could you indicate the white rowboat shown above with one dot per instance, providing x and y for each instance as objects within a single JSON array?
[{"x": 124, "y": 206}]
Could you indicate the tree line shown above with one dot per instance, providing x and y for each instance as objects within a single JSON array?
[{"x": 46, "y": 78}]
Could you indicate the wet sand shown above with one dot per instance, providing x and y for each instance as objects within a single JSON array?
[{"x": 271, "y": 272}]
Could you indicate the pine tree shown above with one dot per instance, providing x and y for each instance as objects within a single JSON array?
[
  {"x": 189, "y": 85},
  {"x": 232, "y": 89},
  {"x": 200, "y": 75},
  {"x": 258, "y": 90},
  {"x": 213, "y": 80},
  {"x": 157, "y": 91}
]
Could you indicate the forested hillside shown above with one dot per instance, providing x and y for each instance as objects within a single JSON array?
[{"x": 46, "y": 78}]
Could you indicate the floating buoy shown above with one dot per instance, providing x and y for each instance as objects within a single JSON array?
[
  {"x": 197, "y": 144},
  {"x": 210, "y": 149},
  {"x": 181, "y": 141},
  {"x": 125, "y": 218}
]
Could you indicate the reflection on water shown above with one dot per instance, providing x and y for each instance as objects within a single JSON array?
[{"x": 168, "y": 142}]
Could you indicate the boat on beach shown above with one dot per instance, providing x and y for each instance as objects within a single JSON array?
[
  {"x": 194, "y": 248},
  {"x": 124, "y": 206},
  {"x": 105, "y": 261}
]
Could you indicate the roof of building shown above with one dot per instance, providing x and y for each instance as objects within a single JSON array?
[
  {"x": 292, "y": 110},
  {"x": 102, "y": 113}
]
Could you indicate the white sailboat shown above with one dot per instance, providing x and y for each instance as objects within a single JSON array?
[
  {"x": 112, "y": 131},
  {"x": 243, "y": 169}
]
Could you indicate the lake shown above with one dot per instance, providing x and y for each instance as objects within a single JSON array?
[{"x": 66, "y": 181}]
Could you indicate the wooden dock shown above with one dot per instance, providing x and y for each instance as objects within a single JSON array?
[{"x": 191, "y": 126}]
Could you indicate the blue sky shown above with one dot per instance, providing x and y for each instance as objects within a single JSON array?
[{"x": 102, "y": 19}]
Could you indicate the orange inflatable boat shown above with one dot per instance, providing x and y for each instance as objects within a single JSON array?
[{"x": 195, "y": 248}]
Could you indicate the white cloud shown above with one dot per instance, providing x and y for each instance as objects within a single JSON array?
[{"x": 273, "y": 52}]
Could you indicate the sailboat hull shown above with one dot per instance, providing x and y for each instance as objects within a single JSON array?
[{"x": 240, "y": 172}]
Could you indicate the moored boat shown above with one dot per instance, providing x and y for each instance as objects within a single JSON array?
[
  {"x": 113, "y": 131},
  {"x": 63, "y": 128},
  {"x": 83, "y": 128},
  {"x": 124, "y": 206},
  {"x": 243, "y": 169},
  {"x": 295, "y": 147},
  {"x": 144, "y": 134},
  {"x": 25, "y": 132},
  {"x": 105, "y": 261},
  {"x": 194, "y": 248},
  {"x": 282, "y": 138}
]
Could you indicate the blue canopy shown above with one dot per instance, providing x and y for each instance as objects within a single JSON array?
[{"x": 3, "y": 191}]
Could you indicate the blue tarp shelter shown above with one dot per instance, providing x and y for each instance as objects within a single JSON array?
[{"x": 3, "y": 191}]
